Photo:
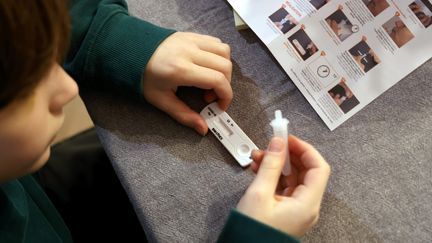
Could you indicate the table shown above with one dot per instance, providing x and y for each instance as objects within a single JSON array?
[{"x": 183, "y": 185}]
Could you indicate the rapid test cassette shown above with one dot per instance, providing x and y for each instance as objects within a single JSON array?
[{"x": 229, "y": 133}]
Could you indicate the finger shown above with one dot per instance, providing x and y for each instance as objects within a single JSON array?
[
  {"x": 270, "y": 169},
  {"x": 308, "y": 155},
  {"x": 288, "y": 191},
  {"x": 213, "y": 61},
  {"x": 296, "y": 162},
  {"x": 257, "y": 155},
  {"x": 301, "y": 177},
  {"x": 178, "y": 110},
  {"x": 315, "y": 180},
  {"x": 255, "y": 167},
  {"x": 206, "y": 78},
  {"x": 289, "y": 181},
  {"x": 209, "y": 96},
  {"x": 279, "y": 197},
  {"x": 217, "y": 48},
  {"x": 316, "y": 173},
  {"x": 300, "y": 191}
]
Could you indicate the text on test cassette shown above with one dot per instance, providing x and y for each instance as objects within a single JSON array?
[{"x": 229, "y": 133}]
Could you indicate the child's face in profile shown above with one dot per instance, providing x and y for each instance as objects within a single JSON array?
[{"x": 28, "y": 126}]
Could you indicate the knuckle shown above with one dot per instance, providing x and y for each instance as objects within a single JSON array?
[
  {"x": 230, "y": 94},
  {"x": 271, "y": 162},
  {"x": 219, "y": 79},
  {"x": 315, "y": 220},
  {"x": 178, "y": 69},
  {"x": 227, "y": 65},
  {"x": 217, "y": 39},
  {"x": 182, "y": 119},
  {"x": 226, "y": 48},
  {"x": 312, "y": 218},
  {"x": 325, "y": 168}
]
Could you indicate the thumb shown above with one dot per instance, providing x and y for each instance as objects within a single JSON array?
[
  {"x": 271, "y": 166},
  {"x": 179, "y": 111}
]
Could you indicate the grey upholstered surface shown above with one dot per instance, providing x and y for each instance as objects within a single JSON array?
[{"x": 183, "y": 185}]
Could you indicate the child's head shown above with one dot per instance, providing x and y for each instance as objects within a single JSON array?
[{"x": 33, "y": 87}]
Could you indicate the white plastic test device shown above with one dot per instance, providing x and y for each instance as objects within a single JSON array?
[
  {"x": 280, "y": 129},
  {"x": 228, "y": 133}
]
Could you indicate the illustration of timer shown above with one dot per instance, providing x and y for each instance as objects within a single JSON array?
[{"x": 323, "y": 71}]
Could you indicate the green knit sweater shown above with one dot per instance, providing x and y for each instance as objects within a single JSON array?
[{"x": 108, "y": 47}]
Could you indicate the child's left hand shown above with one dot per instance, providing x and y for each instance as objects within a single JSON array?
[
  {"x": 288, "y": 203},
  {"x": 188, "y": 59}
]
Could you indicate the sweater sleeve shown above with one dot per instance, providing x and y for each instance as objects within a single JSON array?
[
  {"x": 108, "y": 46},
  {"x": 241, "y": 228}
]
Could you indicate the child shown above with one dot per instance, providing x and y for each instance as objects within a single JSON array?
[{"x": 108, "y": 45}]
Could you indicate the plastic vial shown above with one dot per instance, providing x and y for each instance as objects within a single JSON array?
[{"x": 280, "y": 129}]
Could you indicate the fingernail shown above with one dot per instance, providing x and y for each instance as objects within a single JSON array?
[{"x": 276, "y": 145}]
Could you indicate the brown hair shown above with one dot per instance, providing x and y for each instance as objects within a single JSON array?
[{"x": 33, "y": 35}]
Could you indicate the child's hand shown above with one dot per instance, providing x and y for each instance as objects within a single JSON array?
[
  {"x": 188, "y": 59},
  {"x": 290, "y": 204}
]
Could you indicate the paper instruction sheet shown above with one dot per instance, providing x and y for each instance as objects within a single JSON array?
[{"x": 342, "y": 54}]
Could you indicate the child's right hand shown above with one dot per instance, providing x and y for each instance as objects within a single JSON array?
[
  {"x": 288, "y": 203},
  {"x": 188, "y": 59}
]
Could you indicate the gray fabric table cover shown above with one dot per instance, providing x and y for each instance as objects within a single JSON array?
[{"x": 183, "y": 185}]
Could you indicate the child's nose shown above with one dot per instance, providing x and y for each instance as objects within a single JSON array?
[{"x": 66, "y": 90}]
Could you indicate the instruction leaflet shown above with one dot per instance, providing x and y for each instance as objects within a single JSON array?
[{"x": 342, "y": 54}]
